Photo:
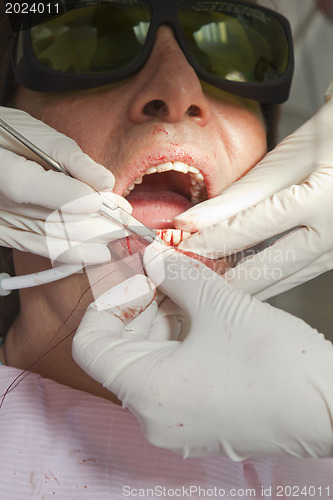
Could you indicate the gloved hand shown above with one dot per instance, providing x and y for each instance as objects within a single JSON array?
[
  {"x": 29, "y": 194},
  {"x": 292, "y": 189},
  {"x": 247, "y": 381}
]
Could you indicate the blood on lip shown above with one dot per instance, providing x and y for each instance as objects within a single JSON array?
[
  {"x": 158, "y": 129},
  {"x": 184, "y": 158}
]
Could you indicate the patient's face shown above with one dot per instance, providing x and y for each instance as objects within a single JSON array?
[{"x": 169, "y": 141}]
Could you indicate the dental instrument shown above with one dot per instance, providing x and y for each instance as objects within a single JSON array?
[{"x": 109, "y": 210}]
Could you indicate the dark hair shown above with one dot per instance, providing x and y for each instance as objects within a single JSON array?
[
  {"x": 6, "y": 42},
  {"x": 9, "y": 305}
]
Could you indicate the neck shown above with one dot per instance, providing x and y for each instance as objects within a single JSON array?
[{"x": 40, "y": 339}]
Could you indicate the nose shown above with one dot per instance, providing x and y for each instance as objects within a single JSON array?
[{"x": 167, "y": 88}]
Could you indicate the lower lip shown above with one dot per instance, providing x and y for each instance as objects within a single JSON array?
[
  {"x": 122, "y": 250},
  {"x": 158, "y": 209}
]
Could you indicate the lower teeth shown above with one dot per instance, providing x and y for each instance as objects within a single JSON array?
[{"x": 172, "y": 236}]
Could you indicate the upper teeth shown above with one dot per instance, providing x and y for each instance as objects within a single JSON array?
[{"x": 197, "y": 189}]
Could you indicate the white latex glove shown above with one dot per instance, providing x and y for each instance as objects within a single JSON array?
[
  {"x": 249, "y": 380},
  {"x": 295, "y": 184},
  {"x": 29, "y": 194}
]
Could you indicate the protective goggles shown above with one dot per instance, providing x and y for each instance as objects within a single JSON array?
[{"x": 236, "y": 46}]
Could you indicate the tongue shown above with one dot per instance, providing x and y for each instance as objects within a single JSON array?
[{"x": 157, "y": 210}]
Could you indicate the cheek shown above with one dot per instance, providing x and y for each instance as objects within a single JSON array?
[
  {"x": 88, "y": 119},
  {"x": 244, "y": 136},
  {"x": 81, "y": 122},
  {"x": 251, "y": 142}
]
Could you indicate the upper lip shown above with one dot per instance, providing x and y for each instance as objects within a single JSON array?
[{"x": 140, "y": 164}]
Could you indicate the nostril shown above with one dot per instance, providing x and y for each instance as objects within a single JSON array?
[
  {"x": 193, "y": 110},
  {"x": 156, "y": 107}
]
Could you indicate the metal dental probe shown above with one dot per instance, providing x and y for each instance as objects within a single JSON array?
[{"x": 109, "y": 209}]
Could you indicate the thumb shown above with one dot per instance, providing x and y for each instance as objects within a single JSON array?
[
  {"x": 290, "y": 163},
  {"x": 188, "y": 282}
]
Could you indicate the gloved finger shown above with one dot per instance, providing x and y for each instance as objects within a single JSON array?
[
  {"x": 24, "y": 181},
  {"x": 16, "y": 211},
  {"x": 98, "y": 227},
  {"x": 35, "y": 243},
  {"x": 202, "y": 294},
  {"x": 271, "y": 175},
  {"x": 60, "y": 147},
  {"x": 58, "y": 225},
  {"x": 183, "y": 279},
  {"x": 311, "y": 271},
  {"x": 155, "y": 324},
  {"x": 86, "y": 254},
  {"x": 63, "y": 225},
  {"x": 288, "y": 255},
  {"x": 127, "y": 299},
  {"x": 22, "y": 222},
  {"x": 74, "y": 240},
  {"x": 65, "y": 238},
  {"x": 17, "y": 238},
  {"x": 63, "y": 242},
  {"x": 164, "y": 328},
  {"x": 69, "y": 237},
  {"x": 71, "y": 215},
  {"x": 170, "y": 322},
  {"x": 139, "y": 327},
  {"x": 101, "y": 330},
  {"x": 306, "y": 150},
  {"x": 285, "y": 210}
]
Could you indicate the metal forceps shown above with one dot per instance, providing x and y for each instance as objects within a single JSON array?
[{"x": 109, "y": 209}]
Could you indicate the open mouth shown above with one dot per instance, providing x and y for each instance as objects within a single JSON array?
[{"x": 163, "y": 192}]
